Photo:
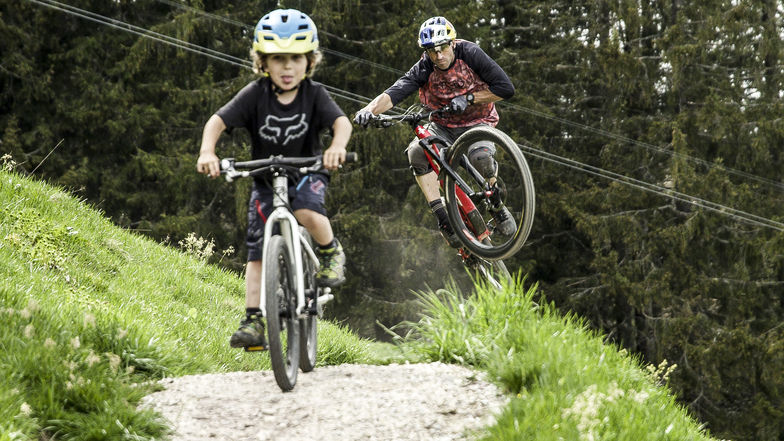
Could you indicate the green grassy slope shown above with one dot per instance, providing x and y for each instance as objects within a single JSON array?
[{"x": 89, "y": 311}]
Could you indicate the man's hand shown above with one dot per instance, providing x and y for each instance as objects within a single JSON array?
[
  {"x": 209, "y": 164},
  {"x": 333, "y": 157},
  {"x": 363, "y": 117},
  {"x": 458, "y": 104}
]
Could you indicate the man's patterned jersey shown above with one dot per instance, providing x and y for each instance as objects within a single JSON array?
[{"x": 472, "y": 70}]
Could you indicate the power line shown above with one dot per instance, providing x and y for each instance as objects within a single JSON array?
[
  {"x": 645, "y": 186},
  {"x": 615, "y": 136},
  {"x": 655, "y": 189},
  {"x": 648, "y": 146},
  {"x": 519, "y": 108},
  {"x": 97, "y": 18}
]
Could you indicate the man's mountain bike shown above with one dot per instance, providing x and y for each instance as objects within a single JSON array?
[
  {"x": 470, "y": 197},
  {"x": 290, "y": 299}
]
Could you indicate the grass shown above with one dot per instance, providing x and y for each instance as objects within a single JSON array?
[
  {"x": 90, "y": 313},
  {"x": 564, "y": 382}
]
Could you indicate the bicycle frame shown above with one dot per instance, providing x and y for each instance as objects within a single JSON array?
[
  {"x": 295, "y": 241},
  {"x": 471, "y": 216}
]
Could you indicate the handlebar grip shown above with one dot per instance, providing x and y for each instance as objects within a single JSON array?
[{"x": 351, "y": 157}]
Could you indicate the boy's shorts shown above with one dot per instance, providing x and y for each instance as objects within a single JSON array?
[{"x": 308, "y": 194}]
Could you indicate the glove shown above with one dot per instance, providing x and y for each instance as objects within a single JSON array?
[
  {"x": 458, "y": 104},
  {"x": 363, "y": 117}
]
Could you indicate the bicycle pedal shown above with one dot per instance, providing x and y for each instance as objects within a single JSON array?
[{"x": 255, "y": 348}]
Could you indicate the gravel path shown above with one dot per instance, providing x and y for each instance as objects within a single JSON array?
[{"x": 433, "y": 402}]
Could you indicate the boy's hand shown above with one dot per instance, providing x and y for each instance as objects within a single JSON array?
[
  {"x": 333, "y": 157},
  {"x": 209, "y": 164}
]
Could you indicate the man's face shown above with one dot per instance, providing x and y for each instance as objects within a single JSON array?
[{"x": 442, "y": 55}]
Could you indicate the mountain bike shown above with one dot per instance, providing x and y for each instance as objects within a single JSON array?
[
  {"x": 470, "y": 197},
  {"x": 291, "y": 301}
]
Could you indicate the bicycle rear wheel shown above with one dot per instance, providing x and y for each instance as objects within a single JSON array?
[
  {"x": 308, "y": 332},
  {"x": 282, "y": 322},
  {"x": 512, "y": 186}
]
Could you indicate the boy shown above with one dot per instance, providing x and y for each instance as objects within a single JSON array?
[{"x": 284, "y": 111}]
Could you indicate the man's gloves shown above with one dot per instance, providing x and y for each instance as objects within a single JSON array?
[
  {"x": 363, "y": 117},
  {"x": 458, "y": 104}
]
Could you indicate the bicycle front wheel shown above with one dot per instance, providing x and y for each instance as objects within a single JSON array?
[
  {"x": 511, "y": 186},
  {"x": 308, "y": 331},
  {"x": 282, "y": 322}
]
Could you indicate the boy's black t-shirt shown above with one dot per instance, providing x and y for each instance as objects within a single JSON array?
[{"x": 281, "y": 129}]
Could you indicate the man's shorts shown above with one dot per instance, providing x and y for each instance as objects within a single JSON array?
[
  {"x": 308, "y": 193},
  {"x": 416, "y": 156}
]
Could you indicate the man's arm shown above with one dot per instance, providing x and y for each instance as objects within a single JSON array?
[{"x": 379, "y": 105}]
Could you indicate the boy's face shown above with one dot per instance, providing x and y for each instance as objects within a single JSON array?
[{"x": 286, "y": 70}]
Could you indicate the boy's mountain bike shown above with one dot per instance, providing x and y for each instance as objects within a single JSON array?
[
  {"x": 290, "y": 299},
  {"x": 470, "y": 197}
]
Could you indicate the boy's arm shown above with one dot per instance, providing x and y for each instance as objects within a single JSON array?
[
  {"x": 208, "y": 162},
  {"x": 336, "y": 153}
]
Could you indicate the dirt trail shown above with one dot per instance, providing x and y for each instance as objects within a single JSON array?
[{"x": 433, "y": 401}]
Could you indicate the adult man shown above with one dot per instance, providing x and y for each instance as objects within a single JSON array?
[{"x": 459, "y": 74}]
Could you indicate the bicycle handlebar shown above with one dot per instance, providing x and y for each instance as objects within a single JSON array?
[
  {"x": 383, "y": 121},
  {"x": 233, "y": 169}
]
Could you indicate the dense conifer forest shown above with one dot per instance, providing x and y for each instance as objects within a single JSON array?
[{"x": 654, "y": 132}]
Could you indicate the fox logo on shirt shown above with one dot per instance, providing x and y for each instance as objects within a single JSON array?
[{"x": 282, "y": 130}]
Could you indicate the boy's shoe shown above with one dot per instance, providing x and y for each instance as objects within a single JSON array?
[
  {"x": 332, "y": 262},
  {"x": 504, "y": 222},
  {"x": 449, "y": 235},
  {"x": 250, "y": 333}
]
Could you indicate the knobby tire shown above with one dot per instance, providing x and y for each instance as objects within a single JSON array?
[
  {"x": 518, "y": 193},
  {"x": 308, "y": 329},
  {"x": 282, "y": 323}
]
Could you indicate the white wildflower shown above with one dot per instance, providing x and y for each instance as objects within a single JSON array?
[
  {"x": 75, "y": 343},
  {"x": 25, "y": 409},
  {"x": 29, "y": 330},
  {"x": 49, "y": 343},
  {"x": 114, "y": 361},
  {"x": 92, "y": 358}
]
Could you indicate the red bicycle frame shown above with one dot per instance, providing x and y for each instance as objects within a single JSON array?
[{"x": 468, "y": 210}]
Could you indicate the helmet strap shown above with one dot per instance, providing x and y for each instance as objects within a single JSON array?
[{"x": 277, "y": 90}]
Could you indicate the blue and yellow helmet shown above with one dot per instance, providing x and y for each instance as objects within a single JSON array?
[
  {"x": 285, "y": 31},
  {"x": 436, "y": 31}
]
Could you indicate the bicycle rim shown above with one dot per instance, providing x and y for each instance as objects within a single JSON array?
[
  {"x": 514, "y": 188},
  {"x": 308, "y": 330},
  {"x": 282, "y": 323}
]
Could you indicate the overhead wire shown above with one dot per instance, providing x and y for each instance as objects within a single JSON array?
[
  {"x": 539, "y": 114},
  {"x": 97, "y": 18},
  {"x": 709, "y": 205}
]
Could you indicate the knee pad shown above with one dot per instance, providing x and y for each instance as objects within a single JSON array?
[
  {"x": 482, "y": 159},
  {"x": 417, "y": 160}
]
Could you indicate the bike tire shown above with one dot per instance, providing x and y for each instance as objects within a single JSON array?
[
  {"x": 517, "y": 193},
  {"x": 308, "y": 324},
  {"x": 282, "y": 321}
]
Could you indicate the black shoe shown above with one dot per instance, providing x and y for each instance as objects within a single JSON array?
[
  {"x": 504, "y": 222},
  {"x": 449, "y": 235},
  {"x": 250, "y": 334}
]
